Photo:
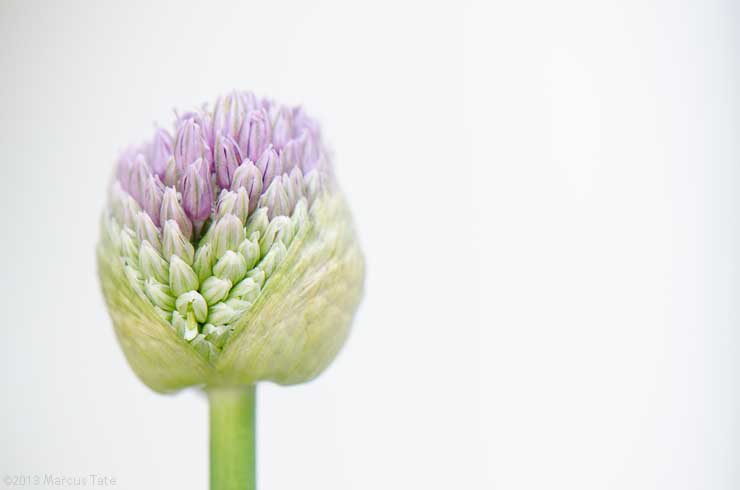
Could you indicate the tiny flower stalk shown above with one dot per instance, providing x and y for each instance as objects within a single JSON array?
[{"x": 227, "y": 257}]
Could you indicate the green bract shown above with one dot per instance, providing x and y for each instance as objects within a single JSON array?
[{"x": 268, "y": 299}]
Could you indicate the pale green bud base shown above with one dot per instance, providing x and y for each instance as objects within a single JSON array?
[
  {"x": 232, "y": 444},
  {"x": 284, "y": 325}
]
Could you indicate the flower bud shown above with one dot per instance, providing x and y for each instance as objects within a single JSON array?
[
  {"x": 258, "y": 276},
  {"x": 134, "y": 278},
  {"x": 248, "y": 177},
  {"x": 172, "y": 174},
  {"x": 226, "y": 158},
  {"x": 151, "y": 199},
  {"x": 276, "y": 200},
  {"x": 192, "y": 301},
  {"x": 292, "y": 154},
  {"x": 238, "y": 305},
  {"x": 269, "y": 166},
  {"x": 257, "y": 222},
  {"x": 152, "y": 264},
  {"x": 293, "y": 185},
  {"x": 182, "y": 276},
  {"x": 254, "y": 137},
  {"x": 214, "y": 289},
  {"x": 236, "y": 203},
  {"x": 250, "y": 250},
  {"x": 123, "y": 206},
  {"x": 228, "y": 115},
  {"x": 159, "y": 294},
  {"x": 185, "y": 326},
  {"x": 228, "y": 233},
  {"x": 129, "y": 245},
  {"x": 274, "y": 257},
  {"x": 225, "y": 204},
  {"x": 241, "y": 206},
  {"x": 222, "y": 314},
  {"x": 160, "y": 152},
  {"x": 202, "y": 262},
  {"x": 147, "y": 230},
  {"x": 138, "y": 178},
  {"x": 280, "y": 228},
  {"x": 246, "y": 289},
  {"x": 197, "y": 192},
  {"x": 174, "y": 243},
  {"x": 172, "y": 210},
  {"x": 190, "y": 145},
  {"x": 282, "y": 127},
  {"x": 231, "y": 266}
]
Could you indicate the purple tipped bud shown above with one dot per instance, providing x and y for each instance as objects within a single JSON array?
[
  {"x": 227, "y": 119},
  {"x": 202, "y": 118},
  {"x": 160, "y": 152},
  {"x": 190, "y": 145},
  {"x": 276, "y": 200},
  {"x": 283, "y": 128},
  {"x": 227, "y": 159},
  {"x": 146, "y": 230},
  {"x": 241, "y": 205},
  {"x": 269, "y": 165},
  {"x": 138, "y": 178},
  {"x": 248, "y": 177},
  {"x": 255, "y": 134},
  {"x": 259, "y": 152},
  {"x": 151, "y": 200},
  {"x": 172, "y": 210},
  {"x": 292, "y": 154},
  {"x": 225, "y": 204},
  {"x": 197, "y": 192}
]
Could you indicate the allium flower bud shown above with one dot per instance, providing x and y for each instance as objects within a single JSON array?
[
  {"x": 192, "y": 301},
  {"x": 214, "y": 289},
  {"x": 152, "y": 264},
  {"x": 147, "y": 230},
  {"x": 182, "y": 276},
  {"x": 190, "y": 145},
  {"x": 172, "y": 210},
  {"x": 227, "y": 158},
  {"x": 231, "y": 266},
  {"x": 228, "y": 233},
  {"x": 231, "y": 202},
  {"x": 227, "y": 253},
  {"x": 197, "y": 192},
  {"x": 228, "y": 115},
  {"x": 254, "y": 137},
  {"x": 248, "y": 177},
  {"x": 269, "y": 166},
  {"x": 160, "y": 152},
  {"x": 174, "y": 243}
]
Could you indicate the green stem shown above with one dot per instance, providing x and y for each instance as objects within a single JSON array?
[{"x": 232, "y": 438}]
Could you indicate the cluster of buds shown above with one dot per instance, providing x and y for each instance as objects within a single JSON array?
[{"x": 199, "y": 223}]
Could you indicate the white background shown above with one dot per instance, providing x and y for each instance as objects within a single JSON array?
[{"x": 545, "y": 193}]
